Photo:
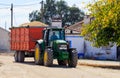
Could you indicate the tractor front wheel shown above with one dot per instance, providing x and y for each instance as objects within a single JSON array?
[
  {"x": 73, "y": 57},
  {"x": 48, "y": 57},
  {"x": 37, "y": 57}
]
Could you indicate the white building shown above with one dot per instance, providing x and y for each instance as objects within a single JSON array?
[
  {"x": 73, "y": 37},
  {"x": 104, "y": 52},
  {"x": 74, "y": 29},
  {"x": 4, "y": 40},
  {"x": 85, "y": 47}
]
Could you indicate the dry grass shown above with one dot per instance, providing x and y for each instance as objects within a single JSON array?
[{"x": 101, "y": 66}]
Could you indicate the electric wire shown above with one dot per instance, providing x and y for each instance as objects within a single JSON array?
[
  {"x": 5, "y": 8},
  {"x": 17, "y": 6},
  {"x": 8, "y": 6},
  {"x": 3, "y": 4}
]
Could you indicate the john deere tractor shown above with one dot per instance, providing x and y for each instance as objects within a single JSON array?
[{"x": 54, "y": 46}]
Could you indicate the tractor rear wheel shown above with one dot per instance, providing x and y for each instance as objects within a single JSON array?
[
  {"x": 21, "y": 56},
  {"x": 72, "y": 62},
  {"x": 38, "y": 56},
  {"x": 16, "y": 56},
  {"x": 48, "y": 57},
  {"x": 62, "y": 62}
]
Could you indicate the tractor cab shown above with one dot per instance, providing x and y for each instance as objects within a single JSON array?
[{"x": 53, "y": 34}]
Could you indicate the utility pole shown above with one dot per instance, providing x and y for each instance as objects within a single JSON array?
[
  {"x": 11, "y": 15},
  {"x": 42, "y": 10}
]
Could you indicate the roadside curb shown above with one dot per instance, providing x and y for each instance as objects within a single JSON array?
[{"x": 99, "y": 63}]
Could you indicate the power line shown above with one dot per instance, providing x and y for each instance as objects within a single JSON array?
[
  {"x": 3, "y": 4},
  {"x": 16, "y": 6},
  {"x": 11, "y": 8},
  {"x": 27, "y": 4},
  {"x": 5, "y": 8}
]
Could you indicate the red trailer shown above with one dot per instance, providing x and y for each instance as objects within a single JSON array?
[{"x": 23, "y": 40}]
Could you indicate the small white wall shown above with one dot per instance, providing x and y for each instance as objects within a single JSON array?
[
  {"x": 89, "y": 51},
  {"x": 76, "y": 42}
]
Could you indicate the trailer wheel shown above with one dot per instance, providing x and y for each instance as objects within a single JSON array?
[
  {"x": 62, "y": 62},
  {"x": 48, "y": 57},
  {"x": 73, "y": 57},
  {"x": 21, "y": 56},
  {"x": 38, "y": 56},
  {"x": 16, "y": 56}
]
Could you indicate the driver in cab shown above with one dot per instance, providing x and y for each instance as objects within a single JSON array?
[{"x": 54, "y": 37}]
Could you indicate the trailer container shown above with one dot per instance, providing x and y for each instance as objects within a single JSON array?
[{"x": 24, "y": 38}]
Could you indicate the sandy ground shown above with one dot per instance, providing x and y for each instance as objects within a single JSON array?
[{"x": 10, "y": 69}]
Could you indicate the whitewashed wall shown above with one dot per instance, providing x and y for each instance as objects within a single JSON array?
[
  {"x": 89, "y": 51},
  {"x": 100, "y": 53},
  {"x": 4, "y": 40},
  {"x": 76, "y": 42}
]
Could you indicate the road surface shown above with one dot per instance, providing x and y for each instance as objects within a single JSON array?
[{"x": 10, "y": 69}]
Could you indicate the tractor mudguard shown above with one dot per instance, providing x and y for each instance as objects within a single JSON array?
[{"x": 41, "y": 43}]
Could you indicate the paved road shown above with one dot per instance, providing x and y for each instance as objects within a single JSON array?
[{"x": 10, "y": 69}]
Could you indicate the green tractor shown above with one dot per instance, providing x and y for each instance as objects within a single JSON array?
[{"x": 54, "y": 46}]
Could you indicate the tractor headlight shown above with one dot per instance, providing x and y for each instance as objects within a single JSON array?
[{"x": 63, "y": 47}]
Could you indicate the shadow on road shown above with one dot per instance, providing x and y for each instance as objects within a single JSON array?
[
  {"x": 59, "y": 66},
  {"x": 26, "y": 62},
  {"x": 32, "y": 63},
  {"x": 29, "y": 63}
]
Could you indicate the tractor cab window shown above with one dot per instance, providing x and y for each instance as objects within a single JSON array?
[{"x": 56, "y": 35}]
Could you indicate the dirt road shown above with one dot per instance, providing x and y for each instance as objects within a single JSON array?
[{"x": 10, "y": 69}]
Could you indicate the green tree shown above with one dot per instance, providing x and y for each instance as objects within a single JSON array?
[
  {"x": 69, "y": 15},
  {"x": 105, "y": 28},
  {"x": 49, "y": 10},
  {"x": 74, "y": 15},
  {"x": 48, "y": 13},
  {"x": 35, "y": 15},
  {"x": 62, "y": 10}
]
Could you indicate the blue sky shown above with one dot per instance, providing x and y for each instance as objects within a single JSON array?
[{"x": 21, "y": 14}]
